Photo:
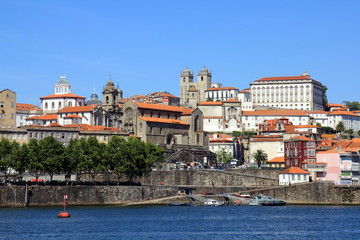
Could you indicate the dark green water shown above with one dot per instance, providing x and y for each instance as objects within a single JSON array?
[{"x": 163, "y": 222}]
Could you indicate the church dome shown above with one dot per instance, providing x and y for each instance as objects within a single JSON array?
[
  {"x": 94, "y": 96},
  {"x": 63, "y": 81}
]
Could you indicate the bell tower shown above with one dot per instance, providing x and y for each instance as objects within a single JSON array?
[
  {"x": 203, "y": 83},
  {"x": 186, "y": 79}
]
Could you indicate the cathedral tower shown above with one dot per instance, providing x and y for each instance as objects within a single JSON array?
[
  {"x": 186, "y": 79},
  {"x": 203, "y": 83}
]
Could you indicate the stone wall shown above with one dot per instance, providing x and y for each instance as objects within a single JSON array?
[{"x": 81, "y": 195}]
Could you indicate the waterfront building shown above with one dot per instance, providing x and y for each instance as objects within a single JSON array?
[
  {"x": 276, "y": 162},
  {"x": 298, "y": 150},
  {"x": 272, "y": 145},
  {"x": 24, "y": 111},
  {"x": 61, "y": 98},
  {"x": 293, "y": 175},
  {"x": 292, "y": 92},
  {"x": 7, "y": 109}
]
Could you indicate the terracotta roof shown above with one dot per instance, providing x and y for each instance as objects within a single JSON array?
[
  {"x": 24, "y": 106},
  {"x": 54, "y": 124},
  {"x": 44, "y": 117},
  {"x": 274, "y": 113},
  {"x": 340, "y": 109},
  {"x": 159, "y": 107},
  {"x": 277, "y": 160},
  {"x": 294, "y": 170},
  {"x": 337, "y": 105},
  {"x": 187, "y": 111},
  {"x": 67, "y": 95},
  {"x": 220, "y": 140},
  {"x": 218, "y": 135},
  {"x": 221, "y": 88},
  {"x": 168, "y": 95},
  {"x": 342, "y": 113},
  {"x": 76, "y": 109},
  {"x": 210, "y": 104},
  {"x": 284, "y": 78},
  {"x": 72, "y": 116},
  {"x": 163, "y": 120},
  {"x": 232, "y": 100},
  {"x": 300, "y": 138},
  {"x": 87, "y": 127},
  {"x": 212, "y": 117},
  {"x": 244, "y": 91},
  {"x": 319, "y": 112}
]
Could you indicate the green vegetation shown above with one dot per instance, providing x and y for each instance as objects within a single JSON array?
[
  {"x": 260, "y": 157},
  {"x": 340, "y": 127},
  {"x": 328, "y": 130},
  {"x": 242, "y": 134},
  {"x": 130, "y": 157},
  {"x": 353, "y": 106},
  {"x": 223, "y": 156}
]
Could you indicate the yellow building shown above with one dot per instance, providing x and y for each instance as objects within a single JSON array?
[{"x": 7, "y": 109}]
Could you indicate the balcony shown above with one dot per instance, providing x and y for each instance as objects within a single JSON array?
[{"x": 346, "y": 176}]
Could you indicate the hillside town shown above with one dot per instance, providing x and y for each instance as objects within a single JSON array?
[{"x": 278, "y": 122}]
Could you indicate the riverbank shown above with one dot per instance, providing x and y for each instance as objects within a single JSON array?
[{"x": 324, "y": 193}]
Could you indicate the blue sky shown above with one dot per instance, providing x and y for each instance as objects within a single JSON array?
[{"x": 145, "y": 44}]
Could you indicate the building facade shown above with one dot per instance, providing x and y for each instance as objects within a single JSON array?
[
  {"x": 293, "y": 92},
  {"x": 7, "y": 109}
]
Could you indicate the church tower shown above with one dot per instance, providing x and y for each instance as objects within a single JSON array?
[
  {"x": 203, "y": 83},
  {"x": 112, "y": 96},
  {"x": 186, "y": 79}
]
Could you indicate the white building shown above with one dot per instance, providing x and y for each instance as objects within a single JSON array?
[
  {"x": 62, "y": 98},
  {"x": 251, "y": 119},
  {"x": 24, "y": 111},
  {"x": 222, "y": 93},
  {"x": 292, "y": 92},
  {"x": 80, "y": 115},
  {"x": 293, "y": 175},
  {"x": 219, "y": 142}
]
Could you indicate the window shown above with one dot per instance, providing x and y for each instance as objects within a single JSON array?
[{"x": 2, "y": 104}]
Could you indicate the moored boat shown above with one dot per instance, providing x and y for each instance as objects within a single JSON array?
[{"x": 262, "y": 200}]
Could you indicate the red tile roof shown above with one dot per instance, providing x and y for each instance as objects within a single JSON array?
[
  {"x": 212, "y": 117},
  {"x": 301, "y": 138},
  {"x": 274, "y": 113},
  {"x": 24, "y": 106},
  {"x": 232, "y": 100},
  {"x": 342, "y": 113},
  {"x": 277, "y": 160},
  {"x": 284, "y": 78},
  {"x": 187, "y": 111},
  {"x": 210, "y": 104},
  {"x": 67, "y": 95},
  {"x": 54, "y": 124},
  {"x": 163, "y": 120},
  {"x": 72, "y": 116},
  {"x": 293, "y": 170},
  {"x": 159, "y": 107},
  {"x": 44, "y": 117},
  {"x": 77, "y": 109}
]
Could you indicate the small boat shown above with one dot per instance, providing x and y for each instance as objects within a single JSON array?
[
  {"x": 213, "y": 202},
  {"x": 179, "y": 204},
  {"x": 262, "y": 200}
]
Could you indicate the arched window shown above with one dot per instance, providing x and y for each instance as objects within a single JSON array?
[
  {"x": 59, "y": 105},
  {"x": 52, "y": 105},
  {"x": 46, "y": 106},
  {"x": 107, "y": 99},
  {"x": 70, "y": 104}
]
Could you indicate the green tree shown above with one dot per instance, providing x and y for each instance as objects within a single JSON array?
[
  {"x": 154, "y": 155},
  {"x": 260, "y": 157},
  {"x": 35, "y": 165},
  {"x": 116, "y": 155},
  {"x": 223, "y": 156},
  {"x": 328, "y": 130},
  {"x": 340, "y": 127},
  {"x": 51, "y": 154},
  {"x": 6, "y": 150},
  {"x": 353, "y": 106},
  {"x": 72, "y": 156},
  {"x": 20, "y": 157}
]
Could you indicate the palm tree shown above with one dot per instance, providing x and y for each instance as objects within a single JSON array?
[{"x": 260, "y": 157}]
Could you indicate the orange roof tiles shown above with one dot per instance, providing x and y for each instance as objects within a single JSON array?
[
  {"x": 72, "y": 116},
  {"x": 75, "y": 109},
  {"x": 45, "y": 117},
  {"x": 337, "y": 105},
  {"x": 210, "y": 104},
  {"x": 342, "y": 113},
  {"x": 294, "y": 170},
  {"x": 232, "y": 100},
  {"x": 301, "y": 138},
  {"x": 274, "y": 113},
  {"x": 280, "y": 159},
  {"x": 67, "y": 95},
  {"x": 163, "y": 120},
  {"x": 54, "y": 124},
  {"x": 187, "y": 111},
  {"x": 212, "y": 117},
  {"x": 159, "y": 107},
  {"x": 284, "y": 78},
  {"x": 24, "y": 106}
]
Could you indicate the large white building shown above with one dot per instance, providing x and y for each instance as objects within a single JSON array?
[
  {"x": 61, "y": 98},
  {"x": 293, "y": 92}
]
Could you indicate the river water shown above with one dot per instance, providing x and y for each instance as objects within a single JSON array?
[{"x": 164, "y": 222}]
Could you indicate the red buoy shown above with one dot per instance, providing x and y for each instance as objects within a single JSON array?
[{"x": 64, "y": 214}]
